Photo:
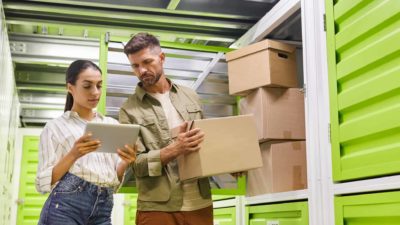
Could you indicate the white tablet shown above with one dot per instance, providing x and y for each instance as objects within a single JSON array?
[{"x": 113, "y": 136}]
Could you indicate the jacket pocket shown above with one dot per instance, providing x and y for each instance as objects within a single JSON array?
[
  {"x": 148, "y": 127},
  {"x": 154, "y": 189},
  {"x": 194, "y": 111},
  {"x": 148, "y": 122}
]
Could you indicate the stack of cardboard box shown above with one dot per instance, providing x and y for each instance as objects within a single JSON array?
[{"x": 265, "y": 75}]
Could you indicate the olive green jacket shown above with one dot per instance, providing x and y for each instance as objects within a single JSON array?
[{"x": 159, "y": 187}]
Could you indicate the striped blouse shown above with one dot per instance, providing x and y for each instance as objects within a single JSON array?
[{"x": 58, "y": 138}]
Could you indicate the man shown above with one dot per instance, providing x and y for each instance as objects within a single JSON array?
[{"x": 159, "y": 105}]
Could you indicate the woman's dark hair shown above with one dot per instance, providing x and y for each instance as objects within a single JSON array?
[{"x": 72, "y": 76}]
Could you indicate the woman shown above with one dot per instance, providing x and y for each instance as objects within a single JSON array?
[{"x": 80, "y": 180}]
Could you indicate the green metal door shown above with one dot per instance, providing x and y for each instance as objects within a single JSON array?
[
  {"x": 278, "y": 214},
  {"x": 225, "y": 216},
  {"x": 130, "y": 209},
  {"x": 368, "y": 209},
  {"x": 30, "y": 202},
  {"x": 363, "y": 39}
]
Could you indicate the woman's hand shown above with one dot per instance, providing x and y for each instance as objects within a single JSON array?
[
  {"x": 128, "y": 154},
  {"x": 84, "y": 145}
]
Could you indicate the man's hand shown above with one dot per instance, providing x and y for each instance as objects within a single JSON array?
[
  {"x": 185, "y": 142},
  {"x": 189, "y": 141}
]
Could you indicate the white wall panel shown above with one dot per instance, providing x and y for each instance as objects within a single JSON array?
[{"x": 8, "y": 122}]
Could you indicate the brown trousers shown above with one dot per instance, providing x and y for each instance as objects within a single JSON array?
[{"x": 197, "y": 217}]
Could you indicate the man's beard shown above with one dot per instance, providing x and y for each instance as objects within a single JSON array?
[{"x": 150, "y": 80}]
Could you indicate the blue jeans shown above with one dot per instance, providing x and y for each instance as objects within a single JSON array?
[{"x": 75, "y": 201}]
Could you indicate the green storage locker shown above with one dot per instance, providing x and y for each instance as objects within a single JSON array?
[
  {"x": 130, "y": 204},
  {"x": 30, "y": 201},
  {"x": 225, "y": 216},
  {"x": 364, "y": 78},
  {"x": 295, "y": 213},
  {"x": 368, "y": 209}
]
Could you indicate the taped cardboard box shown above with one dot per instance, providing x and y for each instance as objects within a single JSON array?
[
  {"x": 278, "y": 112},
  {"x": 230, "y": 145},
  {"x": 284, "y": 169},
  {"x": 266, "y": 63}
]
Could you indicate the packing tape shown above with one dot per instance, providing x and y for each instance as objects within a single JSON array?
[
  {"x": 296, "y": 145},
  {"x": 297, "y": 178}
]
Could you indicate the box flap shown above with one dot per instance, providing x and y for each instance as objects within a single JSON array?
[
  {"x": 266, "y": 44},
  {"x": 175, "y": 131}
]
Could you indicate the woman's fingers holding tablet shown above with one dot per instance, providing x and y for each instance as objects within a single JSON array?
[
  {"x": 128, "y": 153},
  {"x": 84, "y": 145}
]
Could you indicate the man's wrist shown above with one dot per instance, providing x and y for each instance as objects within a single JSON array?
[{"x": 168, "y": 153}]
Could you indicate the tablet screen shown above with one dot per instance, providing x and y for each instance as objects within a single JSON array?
[{"x": 113, "y": 136}]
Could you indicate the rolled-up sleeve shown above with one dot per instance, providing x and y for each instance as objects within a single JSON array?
[
  {"x": 47, "y": 161},
  {"x": 154, "y": 162}
]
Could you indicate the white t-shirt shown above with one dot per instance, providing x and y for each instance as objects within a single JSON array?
[{"x": 192, "y": 199}]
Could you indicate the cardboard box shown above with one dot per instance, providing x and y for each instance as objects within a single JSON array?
[
  {"x": 266, "y": 63},
  {"x": 230, "y": 145},
  {"x": 278, "y": 112},
  {"x": 284, "y": 169}
]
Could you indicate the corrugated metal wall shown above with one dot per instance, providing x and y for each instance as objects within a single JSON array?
[{"x": 183, "y": 67}]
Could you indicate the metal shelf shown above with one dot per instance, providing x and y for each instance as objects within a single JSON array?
[
  {"x": 224, "y": 203},
  {"x": 370, "y": 185},
  {"x": 277, "y": 197}
]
